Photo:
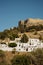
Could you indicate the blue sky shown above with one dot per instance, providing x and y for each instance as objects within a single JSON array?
[{"x": 11, "y": 11}]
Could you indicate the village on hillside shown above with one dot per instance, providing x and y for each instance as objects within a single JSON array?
[
  {"x": 15, "y": 39},
  {"x": 29, "y": 46}
]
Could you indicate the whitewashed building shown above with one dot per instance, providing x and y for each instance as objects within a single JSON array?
[
  {"x": 31, "y": 45},
  {"x": 34, "y": 41}
]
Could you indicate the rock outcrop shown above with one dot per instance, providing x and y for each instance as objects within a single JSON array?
[{"x": 30, "y": 22}]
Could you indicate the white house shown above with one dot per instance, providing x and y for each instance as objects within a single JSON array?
[
  {"x": 34, "y": 41},
  {"x": 17, "y": 39},
  {"x": 23, "y": 47}
]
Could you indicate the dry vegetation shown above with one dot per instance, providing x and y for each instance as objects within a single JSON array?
[
  {"x": 22, "y": 58},
  {"x": 9, "y": 55}
]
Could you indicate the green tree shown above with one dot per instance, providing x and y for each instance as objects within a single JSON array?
[
  {"x": 3, "y": 35},
  {"x": 13, "y": 36},
  {"x": 24, "y": 38}
]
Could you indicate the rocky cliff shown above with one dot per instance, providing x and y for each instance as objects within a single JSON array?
[
  {"x": 30, "y": 22},
  {"x": 30, "y": 25}
]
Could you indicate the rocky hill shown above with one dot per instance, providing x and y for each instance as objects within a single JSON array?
[
  {"x": 30, "y": 21},
  {"x": 30, "y": 24},
  {"x": 31, "y": 27}
]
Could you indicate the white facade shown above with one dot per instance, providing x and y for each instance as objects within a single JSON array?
[
  {"x": 34, "y": 41},
  {"x": 31, "y": 45},
  {"x": 4, "y": 47}
]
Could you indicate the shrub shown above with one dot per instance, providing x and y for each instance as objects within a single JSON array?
[
  {"x": 3, "y": 43},
  {"x": 20, "y": 60},
  {"x": 40, "y": 38},
  {"x": 26, "y": 59},
  {"x": 3, "y": 58},
  {"x": 38, "y": 53},
  {"x": 24, "y": 38},
  {"x": 13, "y": 36},
  {"x": 2, "y": 53},
  {"x": 13, "y": 51},
  {"x": 12, "y": 44},
  {"x": 35, "y": 33}
]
